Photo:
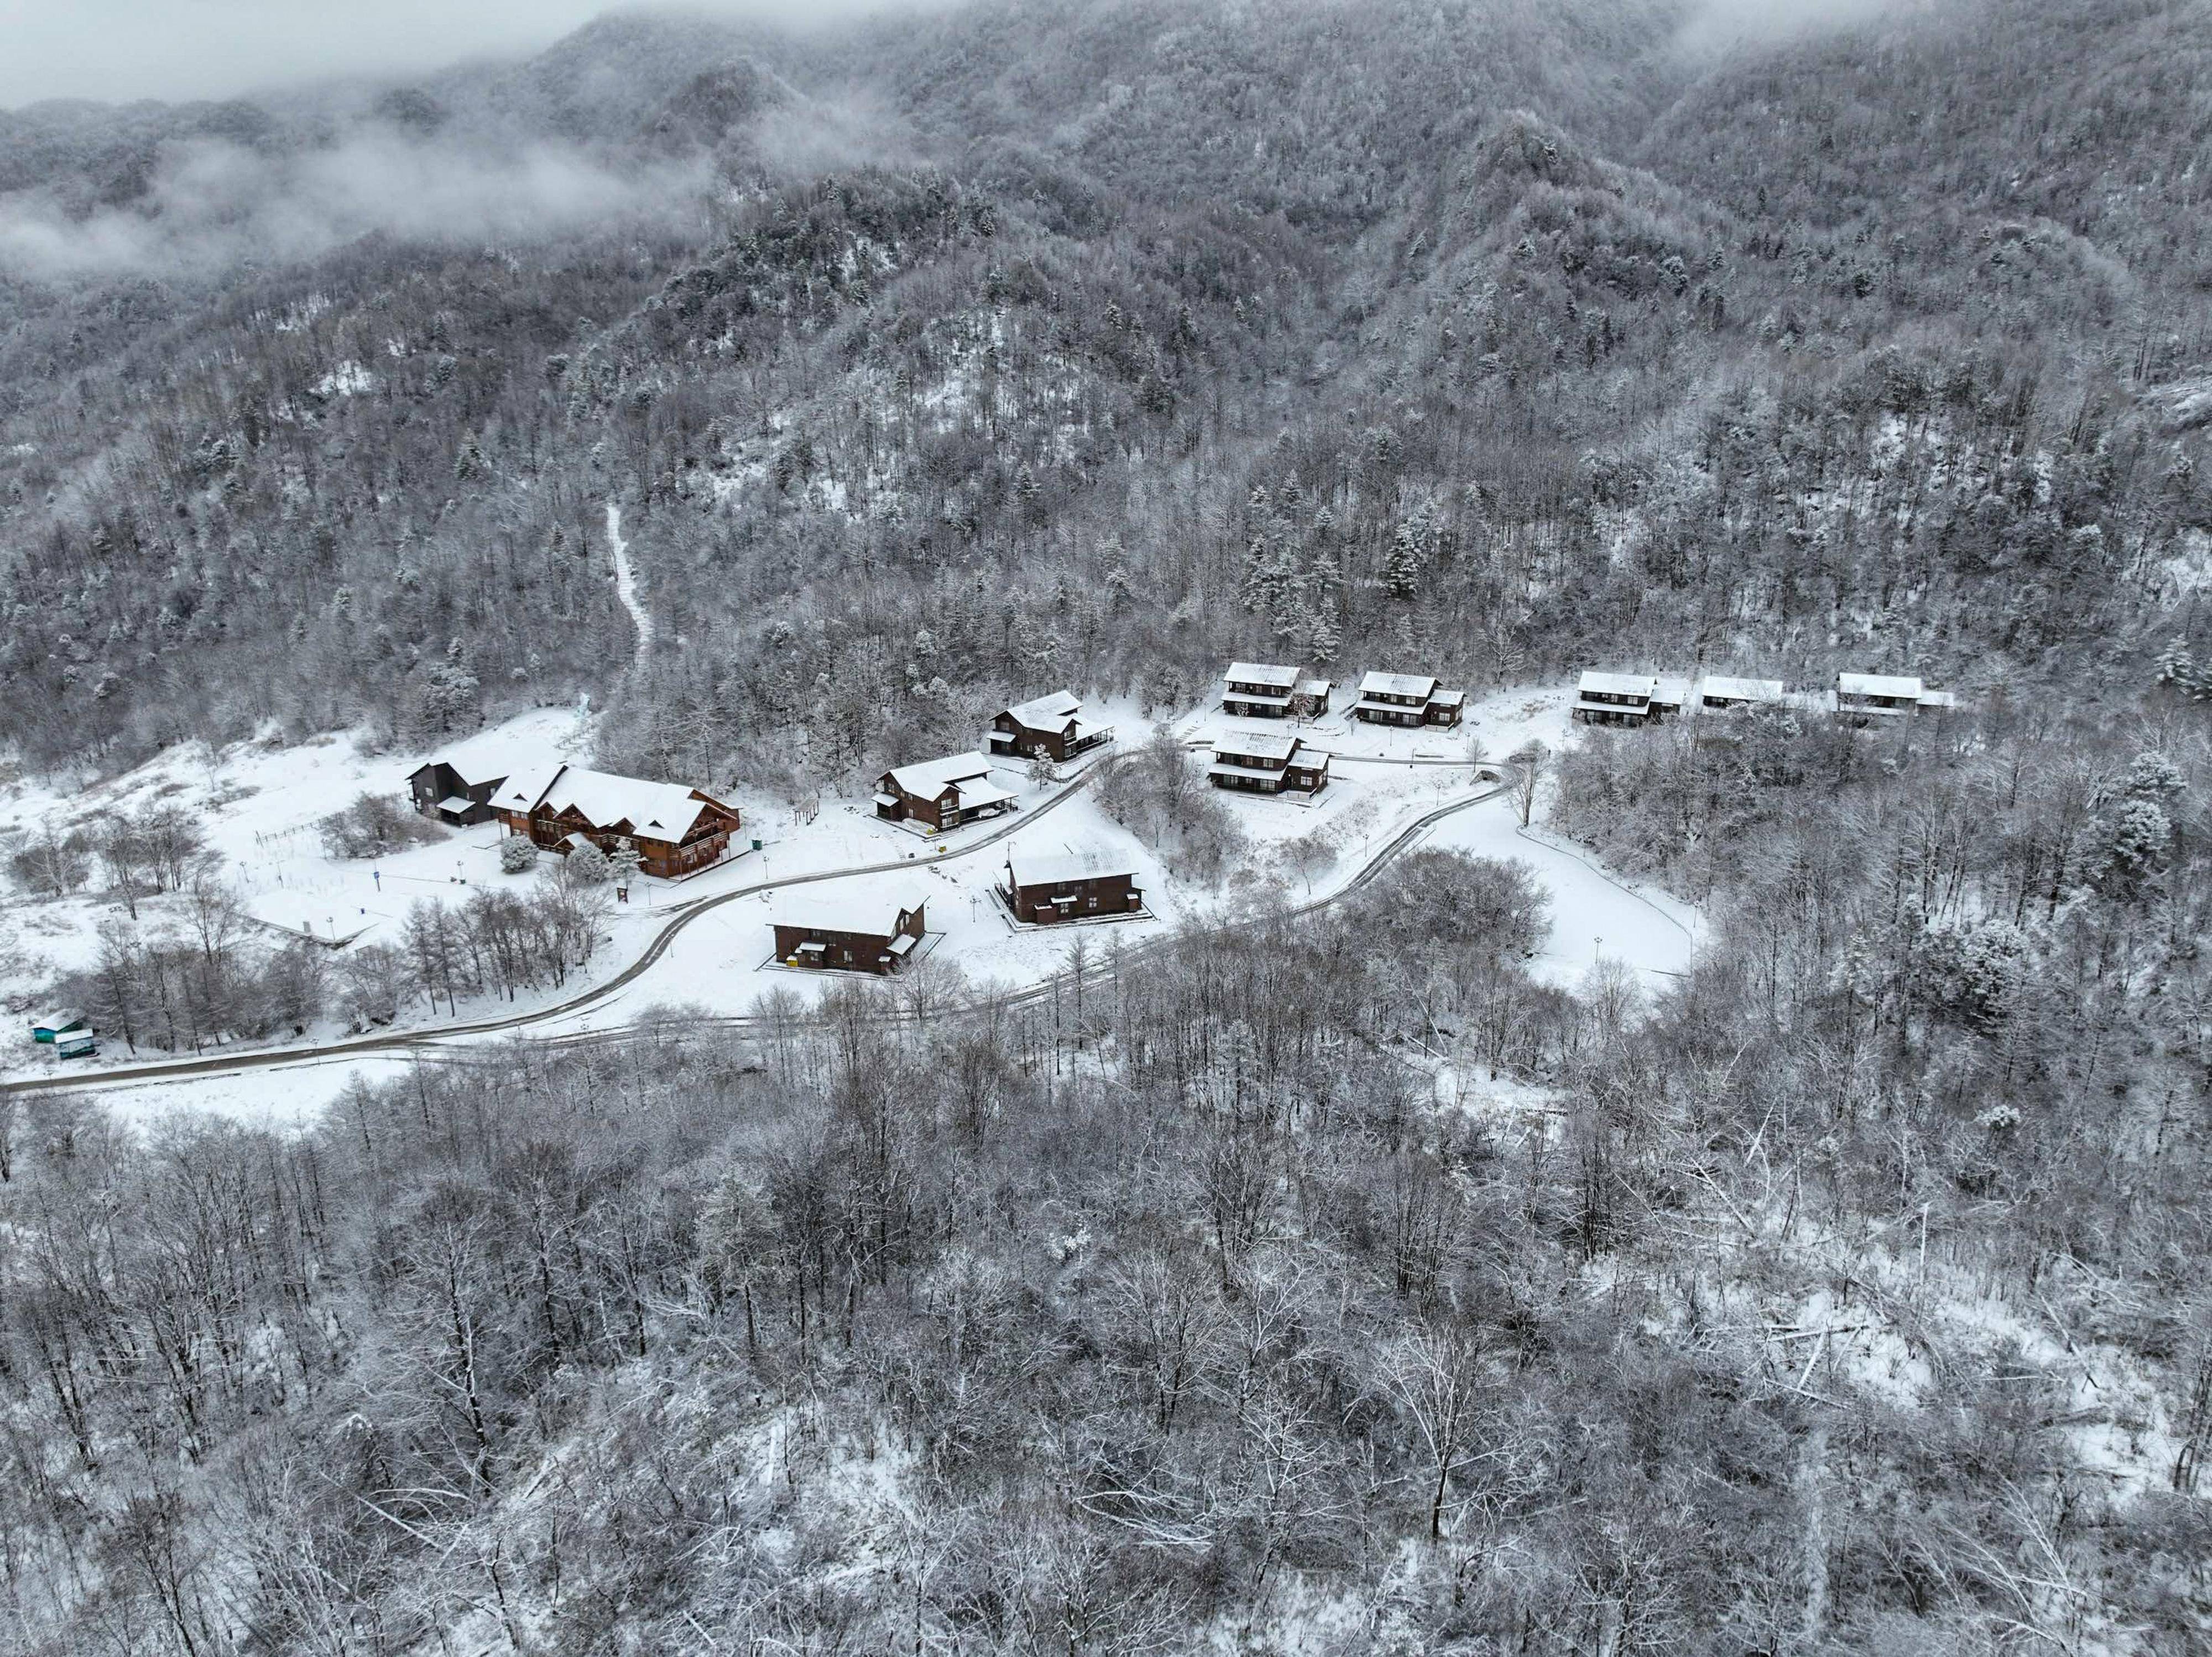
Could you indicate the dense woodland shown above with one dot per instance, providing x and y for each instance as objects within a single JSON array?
[
  {"x": 930, "y": 370},
  {"x": 1327, "y": 1284}
]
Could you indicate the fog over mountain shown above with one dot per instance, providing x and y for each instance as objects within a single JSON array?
[{"x": 1358, "y": 1253}]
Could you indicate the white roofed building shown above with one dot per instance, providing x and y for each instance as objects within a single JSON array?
[
  {"x": 1043, "y": 887},
  {"x": 1719, "y": 691},
  {"x": 676, "y": 829},
  {"x": 1047, "y": 727},
  {"x": 1264, "y": 763},
  {"x": 1258, "y": 689},
  {"x": 851, "y": 930},
  {"x": 1868, "y": 697},
  {"x": 1407, "y": 699},
  {"x": 941, "y": 794},
  {"x": 1615, "y": 698}
]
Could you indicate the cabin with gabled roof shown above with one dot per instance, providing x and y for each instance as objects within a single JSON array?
[
  {"x": 1871, "y": 698},
  {"x": 941, "y": 794},
  {"x": 1720, "y": 693},
  {"x": 1615, "y": 699},
  {"x": 856, "y": 933},
  {"x": 1407, "y": 699},
  {"x": 1045, "y": 888},
  {"x": 1258, "y": 690},
  {"x": 1263, "y": 762},
  {"x": 1047, "y": 728}
]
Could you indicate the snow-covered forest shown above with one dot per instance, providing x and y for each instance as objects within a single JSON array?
[{"x": 1322, "y": 1272}]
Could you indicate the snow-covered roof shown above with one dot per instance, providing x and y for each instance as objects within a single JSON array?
[
  {"x": 490, "y": 756},
  {"x": 58, "y": 1021},
  {"x": 1447, "y": 698},
  {"x": 1066, "y": 867},
  {"x": 927, "y": 778},
  {"x": 1670, "y": 693},
  {"x": 1311, "y": 688},
  {"x": 1254, "y": 745},
  {"x": 456, "y": 803},
  {"x": 1256, "y": 699},
  {"x": 657, "y": 810},
  {"x": 1266, "y": 673},
  {"x": 1619, "y": 684},
  {"x": 1721, "y": 687},
  {"x": 872, "y": 913},
  {"x": 521, "y": 790},
  {"x": 977, "y": 793},
  {"x": 1878, "y": 684},
  {"x": 1939, "y": 699},
  {"x": 1397, "y": 684},
  {"x": 1047, "y": 712}
]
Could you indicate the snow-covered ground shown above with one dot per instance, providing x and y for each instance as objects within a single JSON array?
[
  {"x": 260, "y": 805},
  {"x": 626, "y": 582}
]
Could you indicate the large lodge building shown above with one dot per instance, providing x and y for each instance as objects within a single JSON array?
[{"x": 676, "y": 829}]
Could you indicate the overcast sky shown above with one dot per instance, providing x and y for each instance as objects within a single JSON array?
[{"x": 120, "y": 48}]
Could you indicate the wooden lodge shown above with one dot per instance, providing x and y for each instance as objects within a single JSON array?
[
  {"x": 1407, "y": 699},
  {"x": 941, "y": 794},
  {"x": 1616, "y": 699},
  {"x": 1048, "y": 728},
  {"x": 1870, "y": 698},
  {"x": 1265, "y": 763},
  {"x": 853, "y": 934},
  {"x": 677, "y": 830},
  {"x": 1043, "y": 887},
  {"x": 1719, "y": 693},
  {"x": 1259, "y": 690},
  {"x": 1269, "y": 690}
]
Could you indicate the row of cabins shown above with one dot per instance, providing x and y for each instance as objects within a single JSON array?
[
  {"x": 1276, "y": 690},
  {"x": 676, "y": 829},
  {"x": 882, "y": 933},
  {"x": 1638, "y": 699}
]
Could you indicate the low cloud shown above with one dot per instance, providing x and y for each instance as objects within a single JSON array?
[
  {"x": 213, "y": 205},
  {"x": 1719, "y": 24}
]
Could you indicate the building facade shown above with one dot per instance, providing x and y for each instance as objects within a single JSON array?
[
  {"x": 1615, "y": 699},
  {"x": 854, "y": 935},
  {"x": 1264, "y": 763},
  {"x": 1046, "y": 888},
  {"x": 676, "y": 830},
  {"x": 1047, "y": 728},
  {"x": 941, "y": 794},
  {"x": 1407, "y": 699}
]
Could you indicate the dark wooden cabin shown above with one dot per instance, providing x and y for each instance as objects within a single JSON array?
[
  {"x": 1047, "y": 727},
  {"x": 1265, "y": 763},
  {"x": 1043, "y": 887},
  {"x": 1407, "y": 699},
  {"x": 856, "y": 934},
  {"x": 941, "y": 794}
]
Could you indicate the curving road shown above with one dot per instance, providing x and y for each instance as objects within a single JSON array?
[{"x": 426, "y": 1042}]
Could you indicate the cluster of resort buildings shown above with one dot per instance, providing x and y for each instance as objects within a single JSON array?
[
  {"x": 671, "y": 830},
  {"x": 1654, "y": 698},
  {"x": 674, "y": 831}
]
